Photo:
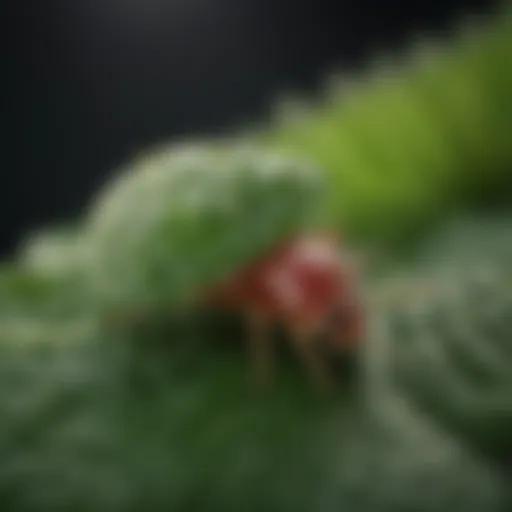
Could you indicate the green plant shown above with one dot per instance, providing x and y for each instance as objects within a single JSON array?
[
  {"x": 413, "y": 139},
  {"x": 162, "y": 417}
]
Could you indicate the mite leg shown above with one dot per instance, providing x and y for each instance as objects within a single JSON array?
[
  {"x": 303, "y": 342},
  {"x": 261, "y": 352},
  {"x": 346, "y": 327}
]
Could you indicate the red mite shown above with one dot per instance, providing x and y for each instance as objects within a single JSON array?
[{"x": 306, "y": 285}]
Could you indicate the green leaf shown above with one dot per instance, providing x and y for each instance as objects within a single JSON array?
[
  {"x": 185, "y": 217},
  {"x": 165, "y": 418},
  {"x": 412, "y": 140}
]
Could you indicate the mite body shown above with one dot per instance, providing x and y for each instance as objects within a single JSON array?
[{"x": 308, "y": 286}]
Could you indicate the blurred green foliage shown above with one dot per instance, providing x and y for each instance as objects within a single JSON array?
[{"x": 415, "y": 138}]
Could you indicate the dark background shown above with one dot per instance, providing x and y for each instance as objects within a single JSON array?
[{"x": 91, "y": 81}]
